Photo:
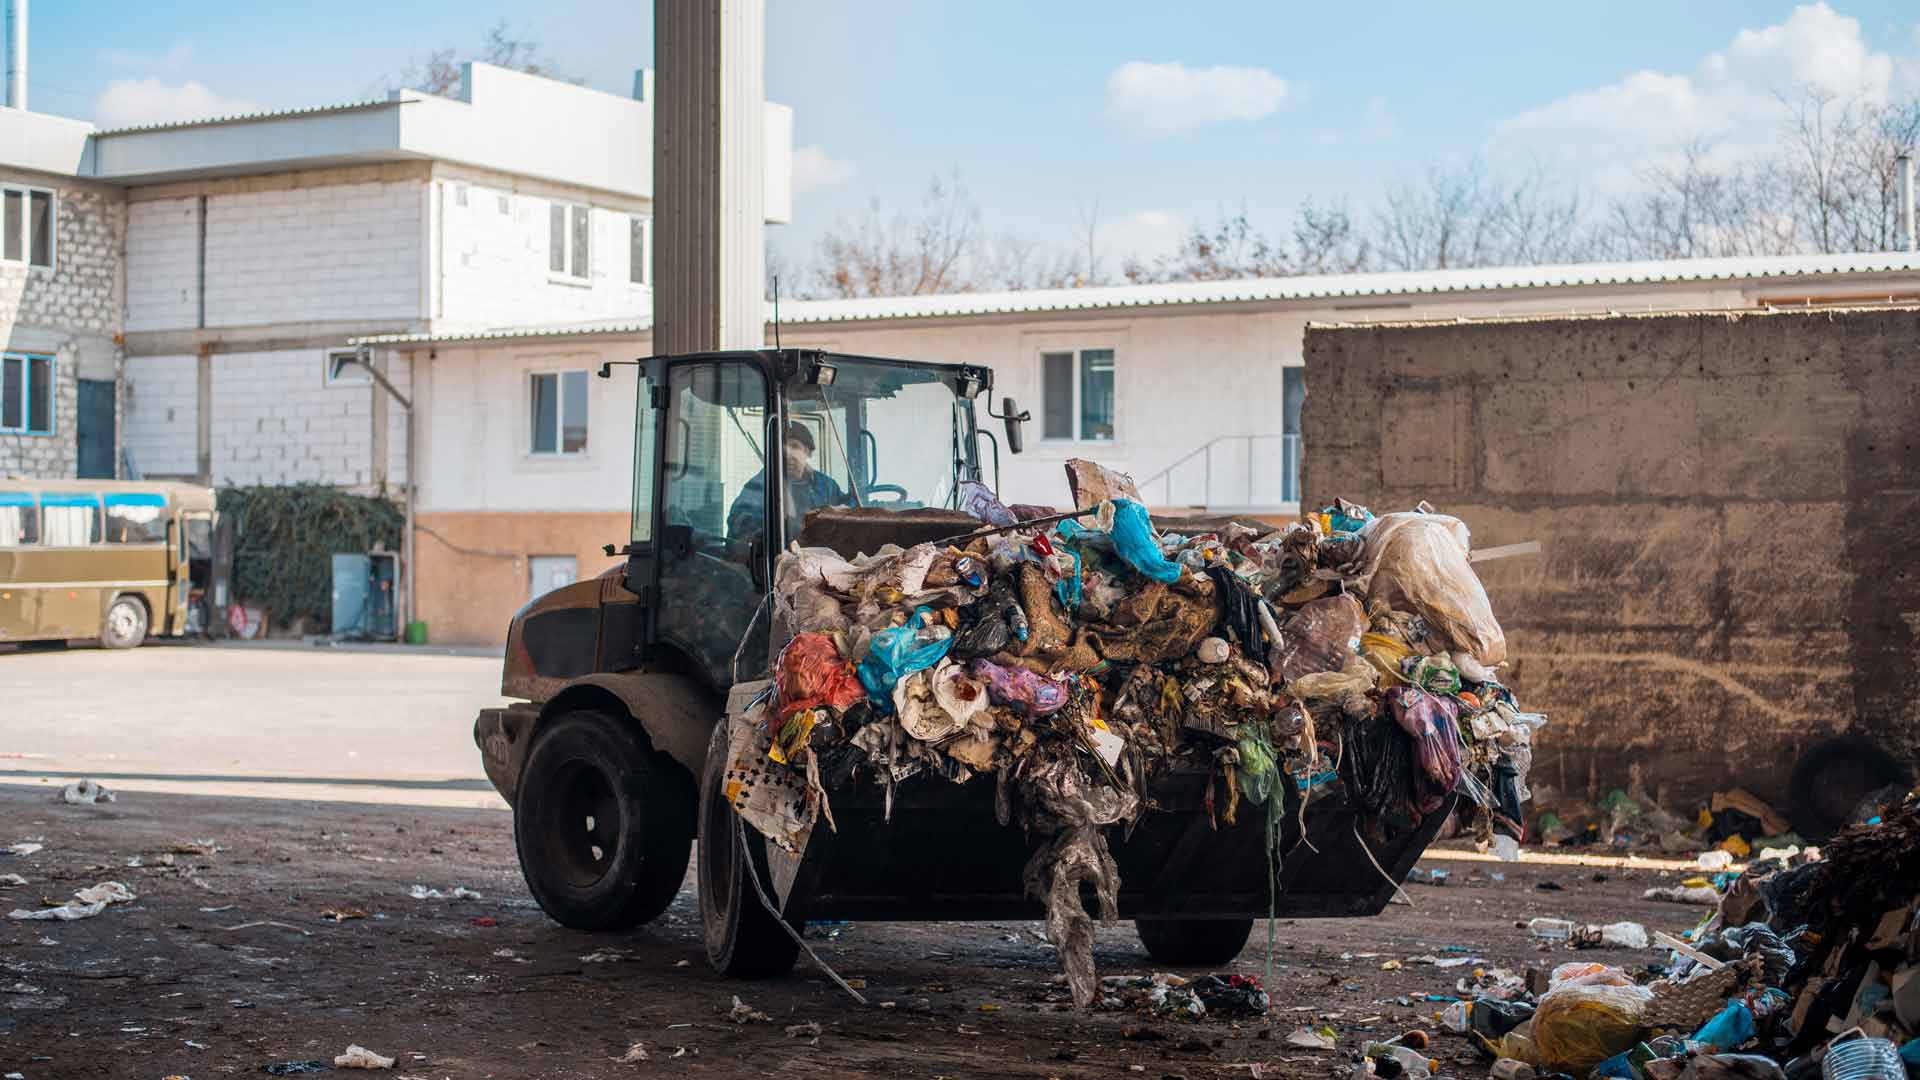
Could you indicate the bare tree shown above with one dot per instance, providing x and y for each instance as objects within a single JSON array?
[
  {"x": 901, "y": 255},
  {"x": 1692, "y": 207},
  {"x": 438, "y": 72},
  {"x": 1463, "y": 217},
  {"x": 1231, "y": 248},
  {"x": 1326, "y": 241}
]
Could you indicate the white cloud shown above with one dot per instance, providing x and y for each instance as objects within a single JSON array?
[
  {"x": 814, "y": 168},
  {"x": 1145, "y": 236},
  {"x": 130, "y": 102},
  {"x": 1161, "y": 99},
  {"x": 1732, "y": 98},
  {"x": 174, "y": 59}
]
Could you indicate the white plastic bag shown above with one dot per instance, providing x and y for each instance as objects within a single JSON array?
[{"x": 1418, "y": 562}]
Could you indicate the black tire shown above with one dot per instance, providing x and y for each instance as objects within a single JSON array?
[
  {"x": 603, "y": 824},
  {"x": 1832, "y": 778},
  {"x": 743, "y": 939},
  {"x": 125, "y": 624},
  {"x": 1194, "y": 942}
]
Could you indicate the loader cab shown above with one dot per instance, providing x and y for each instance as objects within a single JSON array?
[{"x": 733, "y": 449}]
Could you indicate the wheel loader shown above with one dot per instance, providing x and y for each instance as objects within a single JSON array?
[{"x": 613, "y": 753}]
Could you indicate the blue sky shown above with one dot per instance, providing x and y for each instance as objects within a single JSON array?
[{"x": 1159, "y": 115}]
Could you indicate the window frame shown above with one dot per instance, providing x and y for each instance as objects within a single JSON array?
[
  {"x": 559, "y": 414},
  {"x": 1076, "y": 354},
  {"x": 328, "y": 378},
  {"x": 566, "y": 276},
  {"x": 643, "y": 224},
  {"x": 26, "y": 193},
  {"x": 25, "y": 426}
]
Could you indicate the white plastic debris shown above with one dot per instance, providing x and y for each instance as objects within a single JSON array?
[
  {"x": 808, "y": 1030},
  {"x": 26, "y": 847},
  {"x": 12, "y": 879},
  {"x": 743, "y": 1012},
  {"x": 67, "y": 912},
  {"x": 85, "y": 792},
  {"x": 636, "y": 1052},
  {"x": 1715, "y": 861},
  {"x": 1309, "y": 1039},
  {"x": 460, "y": 892},
  {"x": 107, "y": 892},
  {"x": 359, "y": 1057}
]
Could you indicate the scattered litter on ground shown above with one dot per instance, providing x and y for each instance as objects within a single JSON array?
[
  {"x": 742, "y": 1012},
  {"x": 359, "y": 1057},
  {"x": 808, "y": 1030},
  {"x": 1324, "y": 1038},
  {"x": 337, "y": 915},
  {"x": 12, "y": 879},
  {"x": 459, "y": 892},
  {"x": 1704, "y": 895},
  {"x": 107, "y": 892},
  {"x": 294, "y": 1068},
  {"x": 25, "y": 848},
  {"x": 302, "y": 931},
  {"x": 636, "y": 1052},
  {"x": 85, "y": 793}
]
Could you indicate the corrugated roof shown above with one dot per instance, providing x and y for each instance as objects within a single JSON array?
[
  {"x": 238, "y": 118},
  {"x": 1256, "y": 290}
]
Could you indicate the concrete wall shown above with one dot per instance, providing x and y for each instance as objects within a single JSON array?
[
  {"x": 1727, "y": 504},
  {"x": 72, "y": 312}
]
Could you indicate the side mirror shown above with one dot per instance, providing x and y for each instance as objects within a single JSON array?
[{"x": 1012, "y": 417}]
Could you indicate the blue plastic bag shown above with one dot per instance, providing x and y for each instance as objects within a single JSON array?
[
  {"x": 894, "y": 655},
  {"x": 1728, "y": 1030},
  {"x": 1133, "y": 541}
]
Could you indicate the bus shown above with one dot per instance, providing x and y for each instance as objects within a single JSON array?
[{"x": 115, "y": 560}]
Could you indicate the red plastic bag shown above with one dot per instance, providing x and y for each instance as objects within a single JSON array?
[
  {"x": 812, "y": 673},
  {"x": 1432, "y": 720}
]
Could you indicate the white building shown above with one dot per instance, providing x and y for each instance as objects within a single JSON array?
[
  {"x": 255, "y": 246},
  {"x": 1192, "y": 388}
]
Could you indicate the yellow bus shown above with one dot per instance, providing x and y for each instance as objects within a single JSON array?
[{"x": 109, "y": 559}]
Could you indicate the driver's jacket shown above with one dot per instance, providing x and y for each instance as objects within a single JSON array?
[{"x": 811, "y": 492}]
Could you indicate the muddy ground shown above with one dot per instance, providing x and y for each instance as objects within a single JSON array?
[{"x": 227, "y": 963}]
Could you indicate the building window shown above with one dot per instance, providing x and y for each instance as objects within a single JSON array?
[
  {"x": 559, "y": 412},
  {"x": 1076, "y": 395},
  {"x": 639, "y": 250},
  {"x": 568, "y": 249},
  {"x": 27, "y": 225},
  {"x": 343, "y": 368},
  {"x": 26, "y": 394}
]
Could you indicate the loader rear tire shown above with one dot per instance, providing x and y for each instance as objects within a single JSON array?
[
  {"x": 744, "y": 940},
  {"x": 1194, "y": 942},
  {"x": 602, "y": 822}
]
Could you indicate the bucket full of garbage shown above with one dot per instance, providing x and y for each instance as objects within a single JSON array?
[{"x": 1189, "y": 724}]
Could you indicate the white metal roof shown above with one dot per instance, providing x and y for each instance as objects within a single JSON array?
[
  {"x": 237, "y": 118},
  {"x": 1254, "y": 290}
]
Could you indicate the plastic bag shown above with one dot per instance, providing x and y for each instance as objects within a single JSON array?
[
  {"x": 1419, "y": 562},
  {"x": 1036, "y": 694},
  {"x": 1133, "y": 541},
  {"x": 811, "y": 673},
  {"x": 1319, "y": 637},
  {"x": 896, "y": 653},
  {"x": 1431, "y": 722},
  {"x": 1585, "y": 1021}
]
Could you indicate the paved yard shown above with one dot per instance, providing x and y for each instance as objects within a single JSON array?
[{"x": 310, "y": 723}]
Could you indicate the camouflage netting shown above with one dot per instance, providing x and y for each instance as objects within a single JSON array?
[{"x": 285, "y": 538}]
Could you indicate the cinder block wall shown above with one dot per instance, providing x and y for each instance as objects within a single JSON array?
[{"x": 1730, "y": 509}]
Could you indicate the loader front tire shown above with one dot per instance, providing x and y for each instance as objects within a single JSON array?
[
  {"x": 743, "y": 939},
  {"x": 602, "y": 822},
  {"x": 1194, "y": 942}
]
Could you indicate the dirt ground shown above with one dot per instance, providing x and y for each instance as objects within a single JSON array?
[{"x": 227, "y": 963}]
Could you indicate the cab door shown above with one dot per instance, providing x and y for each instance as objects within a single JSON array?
[{"x": 710, "y": 547}]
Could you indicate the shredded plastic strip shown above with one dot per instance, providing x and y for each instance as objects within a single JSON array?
[{"x": 740, "y": 834}]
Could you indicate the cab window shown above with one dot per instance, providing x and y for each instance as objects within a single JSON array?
[
  {"x": 69, "y": 519},
  {"x": 19, "y": 519}
]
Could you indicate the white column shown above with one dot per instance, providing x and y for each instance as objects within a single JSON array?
[
  {"x": 708, "y": 151},
  {"x": 17, "y": 54}
]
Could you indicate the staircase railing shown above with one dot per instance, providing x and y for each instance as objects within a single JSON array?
[{"x": 1261, "y": 488}]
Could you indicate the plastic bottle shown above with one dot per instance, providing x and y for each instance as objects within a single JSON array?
[
  {"x": 1863, "y": 1059},
  {"x": 1623, "y": 935},
  {"x": 1454, "y": 1017},
  {"x": 1511, "y": 1069},
  {"x": 1550, "y": 929},
  {"x": 1506, "y": 848},
  {"x": 1414, "y": 1064}
]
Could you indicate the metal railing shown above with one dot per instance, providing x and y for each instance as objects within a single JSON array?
[{"x": 1231, "y": 472}]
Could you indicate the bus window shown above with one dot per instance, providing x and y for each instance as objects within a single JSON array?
[
  {"x": 69, "y": 519},
  {"x": 136, "y": 518},
  {"x": 19, "y": 519}
]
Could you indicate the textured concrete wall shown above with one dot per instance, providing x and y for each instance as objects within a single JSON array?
[{"x": 1729, "y": 505}]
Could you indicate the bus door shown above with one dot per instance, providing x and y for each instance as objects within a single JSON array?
[{"x": 190, "y": 572}]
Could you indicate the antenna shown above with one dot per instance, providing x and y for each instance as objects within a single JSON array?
[{"x": 776, "y": 311}]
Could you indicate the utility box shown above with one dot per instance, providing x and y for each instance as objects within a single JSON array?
[{"x": 363, "y": 596}]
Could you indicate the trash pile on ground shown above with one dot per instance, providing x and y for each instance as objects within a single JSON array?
[
  {"x": 1810, "y": 966},
  {"x": 1076, "y": 657}
]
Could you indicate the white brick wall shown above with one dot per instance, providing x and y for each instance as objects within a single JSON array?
[
  {"x": 162, "y": 403},
  {"x": 494, "y": 268},
  {"x": 275, "y": 421},
  {"x": 162, "y": 268},
  {"x": 335, "y": 252}
]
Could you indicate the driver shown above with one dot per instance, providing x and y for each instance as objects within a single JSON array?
[{"x": 807, "y": 488}]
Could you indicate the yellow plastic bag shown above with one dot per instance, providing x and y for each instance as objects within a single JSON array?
[{"x": 1580, "y": 1025}]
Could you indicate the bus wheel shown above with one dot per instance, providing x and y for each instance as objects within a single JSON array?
[
  {"x": 602, "y": 823},
  {"x": 125, "y": 625}
]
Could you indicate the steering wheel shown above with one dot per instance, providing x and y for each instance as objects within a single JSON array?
[{"x": 899, "y": 493}]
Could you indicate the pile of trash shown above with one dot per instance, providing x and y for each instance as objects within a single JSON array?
[
  {"x": 1810, "y": 966},
  {"x": 1076, "y": 657}
]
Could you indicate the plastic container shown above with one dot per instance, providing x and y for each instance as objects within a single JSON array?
[
  {"x": 1863, "y": 1059},
  {"x": 1415, "y": 1064},
  {"x": 1510, "y": 1069},
  {"x": 1550, "y": 929},
  {"x": 1455, "y": 1017}
]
